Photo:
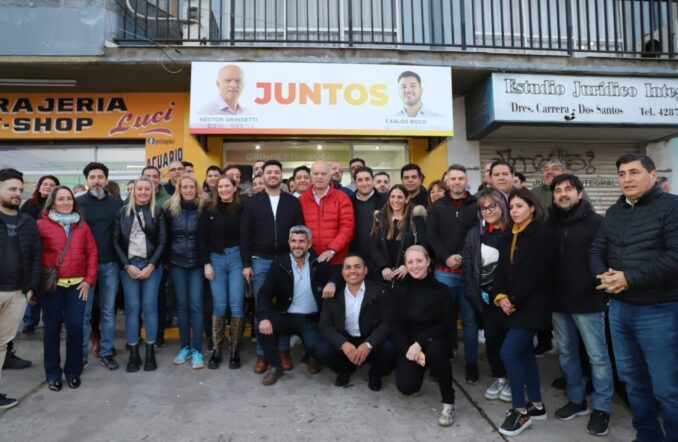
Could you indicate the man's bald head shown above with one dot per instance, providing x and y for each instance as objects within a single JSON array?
[
  {"x": 231, "y": 82},
  {"x": 320, "y": 176}
]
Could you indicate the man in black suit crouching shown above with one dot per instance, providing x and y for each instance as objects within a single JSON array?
[{"x": 354, "y": 327}]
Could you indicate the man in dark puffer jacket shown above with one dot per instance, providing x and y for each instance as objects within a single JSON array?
[
  {"x": 578, "y": 310},
  {"x": 635, "y": 257}
]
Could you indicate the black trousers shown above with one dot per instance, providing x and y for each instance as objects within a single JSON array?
[
  {"x": 306, "y": 326},
  {"x": 494, "y": 337},
  {"x": 410, "y": 375},
  {"x": 381, "y": 358}
]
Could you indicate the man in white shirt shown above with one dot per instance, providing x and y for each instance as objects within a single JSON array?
[{"x": 354, "y": 327}]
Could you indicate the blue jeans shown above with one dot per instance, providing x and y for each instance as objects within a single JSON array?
[
  {"x": 645, "y": 343},
  {"x": 63, "y": 305},
  {"x": 87, "y": 325},
  {"x": 228, "y": 285},
  {"x": 141, "y": 295},
  {"x": 260, "y": 268},
  {"x": 455, "y": 282},
  {"x": 591, "y": 328},
  {"x": 517, "y": 352},
  {"x": 31, "y": 315},
  {"x": 306, "y": 326},
  {"x": 108, "y": 280},
  {"x": 188, "y": 292}
]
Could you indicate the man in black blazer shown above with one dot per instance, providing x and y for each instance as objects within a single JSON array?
[
  {"x": 297, "y": 283},
  {"x": 354, "y": 327}
]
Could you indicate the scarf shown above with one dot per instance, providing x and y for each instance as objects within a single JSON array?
[
  {"x": 64, "y": 219},
  {"x": 516, "y": 231}
]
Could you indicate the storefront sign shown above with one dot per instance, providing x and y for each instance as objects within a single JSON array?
[
  {"x": 90, "y": 116},
  {"x": 320, "y": 99},
  {"x": 156, "y": 118},
  {"x": 559, "y": 99}
]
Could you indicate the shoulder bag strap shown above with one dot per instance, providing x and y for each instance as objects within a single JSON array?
[
  {"x": 141, "y": 224},
  {"x": 63, "y": 252}
]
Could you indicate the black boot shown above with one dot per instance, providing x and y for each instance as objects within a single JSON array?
[
  {"x": 217, "y": 338},
  {"x": 237, "y": 326},
  {"x": 149, "y": 363},
  {"x": 134, "y": 363}
]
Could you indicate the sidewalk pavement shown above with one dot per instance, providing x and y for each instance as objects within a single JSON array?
[{"x": 178, "y": 403}]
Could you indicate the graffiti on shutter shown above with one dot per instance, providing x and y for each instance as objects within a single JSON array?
[{"x": 593, "y": 163}]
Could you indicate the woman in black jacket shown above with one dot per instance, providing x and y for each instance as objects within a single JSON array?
[
  {"x": 397, "y": 226},
  {"x": 480, "y": 257},
  {"x": 522, "y": 290},
  {"x": 219, "y": 247},
  {"x": 139, "y": 237},
  {"x": 182, "y": 213},
  {"x": 421, "y": 324}
]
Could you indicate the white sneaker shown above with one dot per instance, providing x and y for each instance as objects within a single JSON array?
[
  {"x": 481, "y": 336},
  {"x": 505, "y": 394},
  {"x": 494, "y": 390},
  {"x": 447, "y": 415}
]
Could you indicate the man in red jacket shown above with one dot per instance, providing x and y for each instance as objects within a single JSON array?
[{"x": 328, "y": 212}]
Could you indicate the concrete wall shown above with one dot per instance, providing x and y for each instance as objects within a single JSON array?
[
  {"x": 664, "y": 155},
  {"x": 53, "y": 27},
  {"x": 463, "y": 151}
]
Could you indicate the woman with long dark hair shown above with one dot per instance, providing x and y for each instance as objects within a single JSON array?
[
  {"x": 480, "y": 258},
  {"x": 34, "y": 205},
  {"x": 421, "y": 325},
  {"x": 139, "y": 238},
  {"x": 67, "y": 244},
  {"x": 397, "y": 226},
  {"x": 219, "y": 245},
  {"x": 522, "y": 290},
  {"x": 183, "y": 214}
]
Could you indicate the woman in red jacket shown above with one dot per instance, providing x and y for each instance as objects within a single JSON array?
[{"x": 62, "y": 219}]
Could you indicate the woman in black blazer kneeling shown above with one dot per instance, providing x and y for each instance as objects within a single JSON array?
[{"x": 421, "y": 324}]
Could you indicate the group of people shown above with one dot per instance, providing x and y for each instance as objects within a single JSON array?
[{"x": 364, "y": 273}]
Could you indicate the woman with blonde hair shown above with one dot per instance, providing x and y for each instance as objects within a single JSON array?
[
  {"x": 421, "y": 324},
  {"x": 183, "y": 214},
  {"x": 139, "y": 237}
]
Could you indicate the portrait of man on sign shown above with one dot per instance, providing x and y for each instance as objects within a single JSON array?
[
  {"x": 410, "y": 92},
  {"x": 230, "y": 84}
]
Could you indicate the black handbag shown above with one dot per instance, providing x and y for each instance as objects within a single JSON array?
[{"x": 50, "y": 275}]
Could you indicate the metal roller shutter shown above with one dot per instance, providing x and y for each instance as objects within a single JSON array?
[{"x": 593, "y": 163}]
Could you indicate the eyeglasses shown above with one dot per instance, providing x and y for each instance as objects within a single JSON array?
[
  {"x": 175, "y": 169},
  {"x": 489, "y": 208}
]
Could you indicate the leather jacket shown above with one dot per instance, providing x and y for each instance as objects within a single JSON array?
[{"x": 155, "y": 229}]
